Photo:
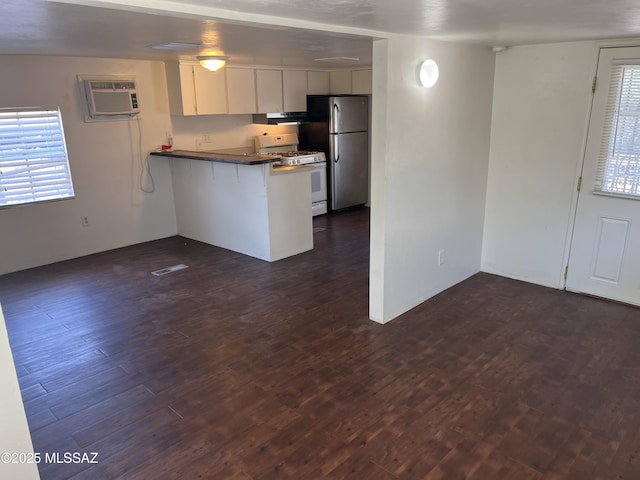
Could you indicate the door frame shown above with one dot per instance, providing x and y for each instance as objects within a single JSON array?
[
  {"x": 599, "y": 46},
  {"x": 575, "y": 195}
]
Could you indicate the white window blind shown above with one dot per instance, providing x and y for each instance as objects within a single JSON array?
[
  {"x": 34, "y": 166},
  {"x": 618, "y": 169}
]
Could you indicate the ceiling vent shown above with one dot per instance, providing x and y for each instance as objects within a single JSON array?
[{"x": 176, "y": 46}]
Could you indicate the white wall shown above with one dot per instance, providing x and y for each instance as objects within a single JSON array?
[
  {"x": 540, "y": 110},
  {"x": 104, "y": 159},
  {"x": 429, "y": 168},
  {"x": 14, "y": 434}
]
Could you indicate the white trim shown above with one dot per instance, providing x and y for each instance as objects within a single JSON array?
[{"x": 576, "y": 194}]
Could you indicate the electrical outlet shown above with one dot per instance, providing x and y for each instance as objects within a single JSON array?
[
  {"x": 85, "y": 221},
  {"x": 441, "y": 258}
]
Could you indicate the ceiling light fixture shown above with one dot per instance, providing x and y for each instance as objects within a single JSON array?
[
  {"x": 213, "y": 62},
  {"x": 428, "y": 73}
]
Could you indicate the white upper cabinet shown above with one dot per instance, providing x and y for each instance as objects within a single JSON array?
[
  {"x": 211, "y": 91},
  {"x": 317, "y": 82},
  {"x": 294, "y": 88},
  {"x": 193, "y": 90},
  {"x": 269, "y": 91},
  {"x": 361, "y": 82},
  {"x": 241, "y": 90},
  {"x": 340, "y": 82},
  {"x": 182, "y": 93}
]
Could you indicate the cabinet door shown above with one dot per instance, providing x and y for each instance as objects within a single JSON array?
[
  {"x": 361, "y": 82},
  {"x": 318, "y": 83},
  {"x": 241, "y": 90},
  {"x": 340, "y": 82},
  {"x": 294, "y": 90},
  {"x": 180, "y": 86},
  {"x": 211, "y": 91},
  {"x": 269, "y": 91}
]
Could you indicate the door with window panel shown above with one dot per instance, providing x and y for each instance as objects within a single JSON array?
[{"x": 605, "y": 247}]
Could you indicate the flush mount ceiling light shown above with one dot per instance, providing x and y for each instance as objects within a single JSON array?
[
  {"x": 428, "y": 73},
  {"x": 213, "y": 62}
]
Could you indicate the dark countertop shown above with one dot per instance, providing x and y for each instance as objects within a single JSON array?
[{"x": 249, "y": 159}]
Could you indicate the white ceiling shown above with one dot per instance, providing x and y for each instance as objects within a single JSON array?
[{"x": 294, "y": 32}]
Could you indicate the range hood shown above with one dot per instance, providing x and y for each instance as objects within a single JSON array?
[{"x": 280, "y": 118}]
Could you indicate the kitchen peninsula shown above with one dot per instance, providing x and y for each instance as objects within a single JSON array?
[{"x": 242, "y": 202}]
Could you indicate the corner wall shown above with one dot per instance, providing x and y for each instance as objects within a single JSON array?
[
  {"x": 430, "y": 156},
  {"x": 104, "y": 159},
  {"x": 14, "y": 434},
  {"x": 540, "y": 109}
]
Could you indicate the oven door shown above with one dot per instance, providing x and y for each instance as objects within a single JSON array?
[{"x": 319, "y": 188}]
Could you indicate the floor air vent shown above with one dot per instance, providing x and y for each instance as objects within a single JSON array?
[{"x": 164, "y": 271}]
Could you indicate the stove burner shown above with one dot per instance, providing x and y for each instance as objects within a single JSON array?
[
  {"x": 288, "y": 155},
  {"x": 297, "y": 153}
]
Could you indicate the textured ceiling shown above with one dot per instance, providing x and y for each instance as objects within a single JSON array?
[
  {"x": 46, "y": 28},
  {"x": 294, "y": 32}
]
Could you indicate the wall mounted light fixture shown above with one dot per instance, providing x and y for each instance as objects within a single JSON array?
[
  {"x": 428, "y": 73},
  {"x": 213, "y": 62}
]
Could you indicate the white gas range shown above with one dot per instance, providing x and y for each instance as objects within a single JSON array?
[
  {"x": 286, "y": 147},
  {"x": 301, "y": 157}
]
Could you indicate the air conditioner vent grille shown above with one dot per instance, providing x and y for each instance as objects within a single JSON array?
[
  {"x": 110, "y": 98},
  {"x": 102, "y": 85}
]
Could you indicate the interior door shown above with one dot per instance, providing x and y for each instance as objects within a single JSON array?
[{"x": 604, "y": 259}]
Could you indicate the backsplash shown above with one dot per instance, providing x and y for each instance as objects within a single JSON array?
[{"x": 216, "y": 132}]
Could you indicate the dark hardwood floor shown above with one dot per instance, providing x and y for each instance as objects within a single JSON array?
[{"x": 235, "y": 368}]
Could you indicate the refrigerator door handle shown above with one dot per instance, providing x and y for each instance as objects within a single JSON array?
[
  {"x": 336, "y": 150},
  {"x": 336, "y": 117}
]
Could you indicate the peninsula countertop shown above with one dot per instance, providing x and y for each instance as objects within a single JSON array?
[{"x": 241, "y": 159}]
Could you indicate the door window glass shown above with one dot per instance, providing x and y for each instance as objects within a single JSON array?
[{"x": 619, "y": 162}]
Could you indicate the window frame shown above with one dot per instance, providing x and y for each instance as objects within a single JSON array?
[
  {"x": 34, "y": 157},
  {"x": 614, "y": 115}
]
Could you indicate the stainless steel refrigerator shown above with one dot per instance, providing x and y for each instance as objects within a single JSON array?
[{"x": 338, "y": 126}]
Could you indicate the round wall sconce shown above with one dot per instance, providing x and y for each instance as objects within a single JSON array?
[{"x": 428, "y": 73}]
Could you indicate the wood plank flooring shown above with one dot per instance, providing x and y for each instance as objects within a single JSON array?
[{"x": 235, "y": 368}]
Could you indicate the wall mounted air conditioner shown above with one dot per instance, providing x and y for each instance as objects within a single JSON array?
[{"x": 108, "y": 97}]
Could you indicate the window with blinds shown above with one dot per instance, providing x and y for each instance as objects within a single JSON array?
[
  {"x": 619, "y": 161},
  {"x": 34, "y": 166}
]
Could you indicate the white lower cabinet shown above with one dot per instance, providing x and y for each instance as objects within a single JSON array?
[{"x": 245, "y": 208}]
